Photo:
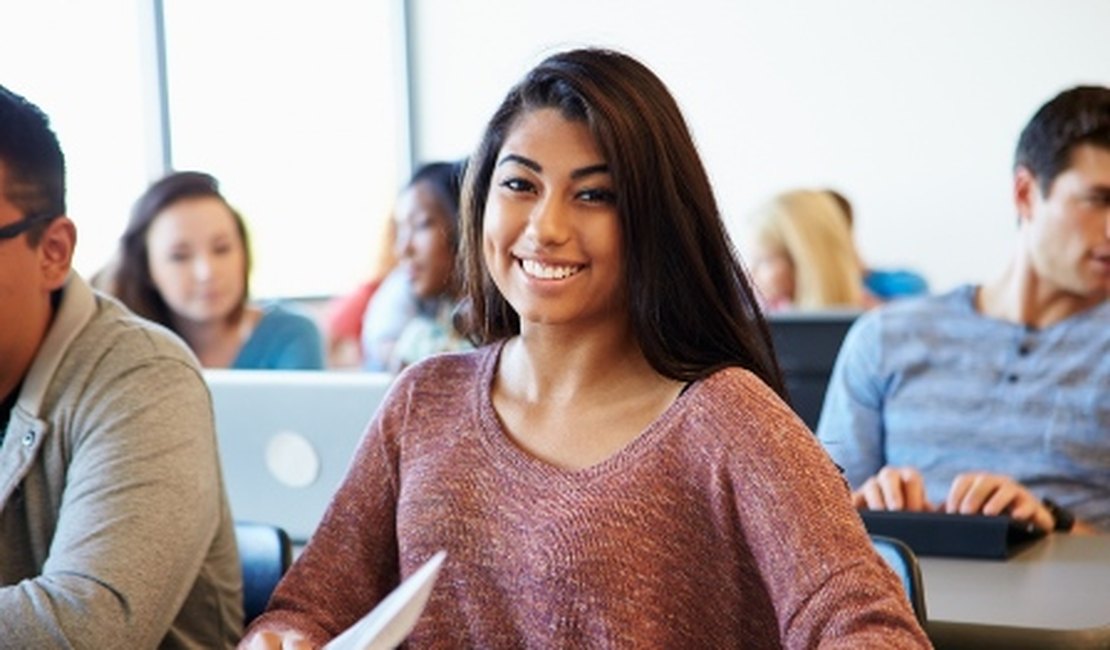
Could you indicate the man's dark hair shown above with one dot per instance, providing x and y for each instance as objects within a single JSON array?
[
  {"x": 34, "y": 166},
  {"x": 1075, "y": 117}
]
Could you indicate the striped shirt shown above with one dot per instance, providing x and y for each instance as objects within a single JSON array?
[{"x": 932, "y": 383}]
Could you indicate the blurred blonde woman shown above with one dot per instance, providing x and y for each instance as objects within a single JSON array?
[{"x": 802, "y": 255}]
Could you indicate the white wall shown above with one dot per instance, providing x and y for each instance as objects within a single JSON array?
[{"x": 912, "y": 109}]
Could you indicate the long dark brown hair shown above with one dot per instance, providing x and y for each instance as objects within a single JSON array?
[{"x": 692, "y": 308}]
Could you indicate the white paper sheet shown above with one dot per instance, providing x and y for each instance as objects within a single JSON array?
[{"x": 387, "y": 625}]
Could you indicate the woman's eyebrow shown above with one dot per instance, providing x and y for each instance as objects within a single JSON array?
[
  {"x": 600, "y": 168},
  {"x": 527, "y": 162}
]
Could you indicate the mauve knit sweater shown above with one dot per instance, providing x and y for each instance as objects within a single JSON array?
[{"x": 723, "y": 525}]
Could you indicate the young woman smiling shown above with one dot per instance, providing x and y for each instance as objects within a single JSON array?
[{"x": 614, "y": 467}]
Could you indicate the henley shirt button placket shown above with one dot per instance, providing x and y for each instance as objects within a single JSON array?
[
  {"x": 1023, "y": 350},
  {"x": 1025, "y": 346}
]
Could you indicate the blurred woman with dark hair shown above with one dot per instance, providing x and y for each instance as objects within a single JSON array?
[
  {"x": 411, "y": 316},
  {"x": 184, "y": 262}
]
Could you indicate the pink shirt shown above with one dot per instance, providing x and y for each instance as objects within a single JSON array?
[{"x": 723, "y": 524}]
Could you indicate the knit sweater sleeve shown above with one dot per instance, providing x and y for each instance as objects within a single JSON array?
[{"x": 829, "y": 587}]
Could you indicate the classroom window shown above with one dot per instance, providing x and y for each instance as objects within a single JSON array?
[
  {"x": 81, "y": 63},
  {"x": 294, "y": 107}
]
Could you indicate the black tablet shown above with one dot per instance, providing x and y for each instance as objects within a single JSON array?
[{"x": 954, "y": 535}]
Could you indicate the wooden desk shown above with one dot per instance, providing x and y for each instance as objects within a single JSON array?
[{"x": 1053, "y": 594}]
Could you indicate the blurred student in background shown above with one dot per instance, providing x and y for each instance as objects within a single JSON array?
[
  {"x": 345, "y": 314},
  {"x": 184, "y": 262},
  {"x": 410, "y": 317},
  {"x": 995, "y": 398},
  {"x": 802, "y": 256},
  {"x": 884, "y": 284}
]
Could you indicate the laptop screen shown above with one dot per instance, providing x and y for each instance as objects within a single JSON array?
[{"x": 287, "y": 437}]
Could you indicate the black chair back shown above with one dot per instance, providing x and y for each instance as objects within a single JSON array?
[
  {"x": 265, "y": 553},
  {"x": 807, "y": 344}
]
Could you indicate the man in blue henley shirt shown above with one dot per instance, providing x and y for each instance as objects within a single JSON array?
[{"x": 995, "y": 398}]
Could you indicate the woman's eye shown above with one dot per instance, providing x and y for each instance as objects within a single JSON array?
[
  {"x": 598, "y": 196},
  {"x": 517, "y": 185},
  {"x": 1099, "y": 200},
  {"x": 179, "y": 256}
]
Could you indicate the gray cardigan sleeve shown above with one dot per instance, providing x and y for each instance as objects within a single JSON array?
[{"x": 130, "y": 453}]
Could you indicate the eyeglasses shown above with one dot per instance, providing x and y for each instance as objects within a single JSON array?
[{"x": 16, "y": 229}]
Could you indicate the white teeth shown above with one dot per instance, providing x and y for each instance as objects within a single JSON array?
[{"x": 545, "y": 272}]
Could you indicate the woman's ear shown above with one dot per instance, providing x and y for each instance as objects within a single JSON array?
[{"x": 56, "y": 251}]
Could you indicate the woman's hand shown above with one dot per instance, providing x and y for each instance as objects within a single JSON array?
[{"x": 267, "y": 640}]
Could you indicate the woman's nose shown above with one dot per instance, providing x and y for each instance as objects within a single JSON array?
[
  {"x": 402, "y": 245},
  {"x": 549, "y": 222},
  {"x": 202, "y": 267}
]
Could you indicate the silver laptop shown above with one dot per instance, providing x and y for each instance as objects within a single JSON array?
[{"x": 287, "y": 437}]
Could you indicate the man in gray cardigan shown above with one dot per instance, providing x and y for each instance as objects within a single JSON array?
[{"x": 115, "y": 530}]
